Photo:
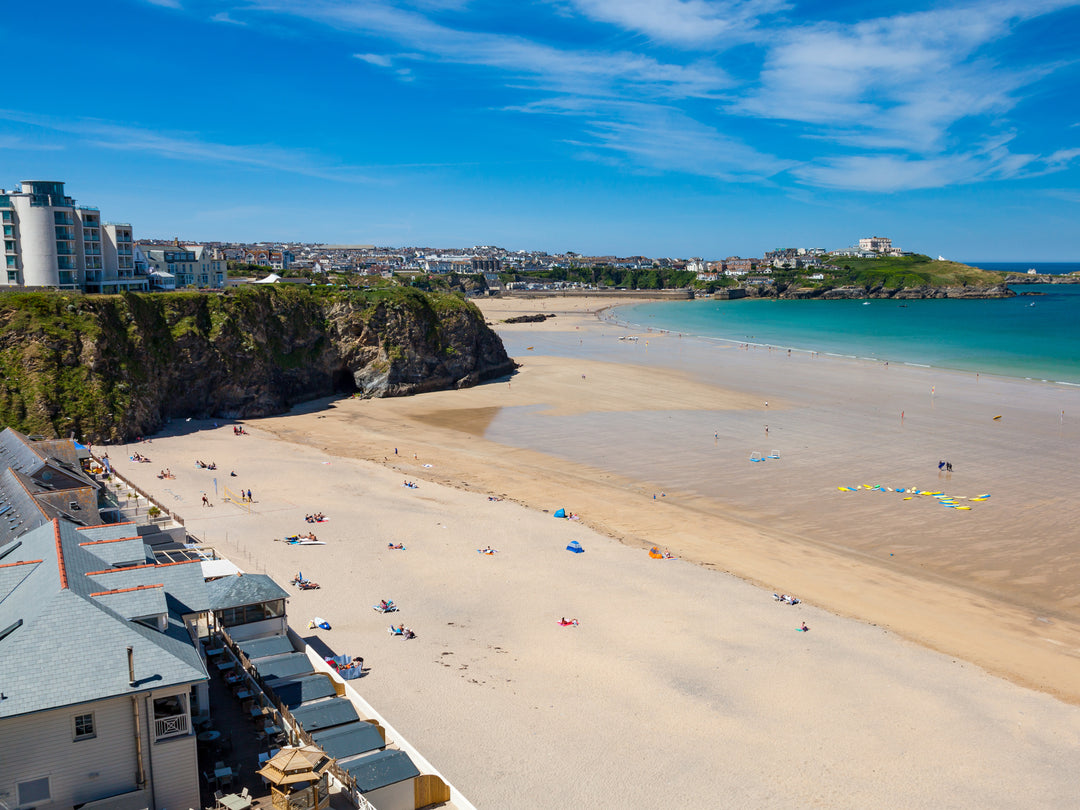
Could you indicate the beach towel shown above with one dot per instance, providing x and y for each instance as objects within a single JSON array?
[{"x": 575, "y": 547}]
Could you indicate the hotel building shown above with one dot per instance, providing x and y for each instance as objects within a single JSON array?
[{"x": 50, "y": 242}]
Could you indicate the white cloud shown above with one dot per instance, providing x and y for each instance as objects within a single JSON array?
[
  {"x": 683, "y": 22},
  {"x": 583, "y": 72},
  {"x": 183, "y": 146},
  {"x": 223, "y": 17},
  {"x": 896, "y": 82},
  {"x": 374, "y": 59}
]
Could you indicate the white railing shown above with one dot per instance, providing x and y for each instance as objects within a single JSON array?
[{"x": 171, "y": 726}]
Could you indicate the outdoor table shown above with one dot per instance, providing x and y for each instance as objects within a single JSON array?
[
  {"x": 272, "y": 730},
  {"x": 257, "y": 711},
  {"x": 223, "y": 775},
  {"x": 210, "y": 653},
  {"x": 209, "y": 736},
  {"x": 234, "y": 801},
  {"x": 233, "y": 678},
  {"x": 244, "y": 694},
  {"x": 225, "y": 666}
]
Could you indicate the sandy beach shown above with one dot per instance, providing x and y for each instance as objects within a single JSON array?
[{"x": 682, "y": 686}]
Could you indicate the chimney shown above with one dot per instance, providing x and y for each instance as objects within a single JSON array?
[{"x": 131, "y": 666}]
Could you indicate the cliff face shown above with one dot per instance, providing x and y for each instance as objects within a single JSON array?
[{"x": 111, "y": 368}]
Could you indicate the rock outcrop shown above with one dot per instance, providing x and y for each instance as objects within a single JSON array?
[{"x": 110, "y": 368}]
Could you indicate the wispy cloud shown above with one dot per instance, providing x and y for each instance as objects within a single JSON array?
[
  {"x": 520, "y": 60},
  {"x": 896, "y": 96},
  {"x": 691, "y": 23},
  {"x": 891, "y": 83},
  {"x": 374, "y": 59},
  {"x": 223, "y": 17},
  {"x": 184, "y": 146}
]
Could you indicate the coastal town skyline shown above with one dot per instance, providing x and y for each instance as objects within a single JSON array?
[{"x": 663, "y": 129}]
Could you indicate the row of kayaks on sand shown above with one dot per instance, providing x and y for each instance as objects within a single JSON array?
[{"x": 949, "y": 501}]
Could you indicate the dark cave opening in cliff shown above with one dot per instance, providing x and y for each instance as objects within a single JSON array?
[{"x": 343, "y": 382}]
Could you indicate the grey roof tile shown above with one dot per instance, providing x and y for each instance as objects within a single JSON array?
[
  {"x": 243, "y": 589},
  {"x": 72, "y": 648},
  {"x": 380, "y": 769}
]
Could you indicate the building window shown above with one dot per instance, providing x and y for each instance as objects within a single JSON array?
[
  {"x": 33, "y": 791},
  {"x": 84, "y": 726},
  {"x": 246, "y": 614}
]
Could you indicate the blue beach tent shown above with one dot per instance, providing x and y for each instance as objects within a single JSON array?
[
  {"x": 560, "y": 513},
  {"x": 575, "y": 547}
]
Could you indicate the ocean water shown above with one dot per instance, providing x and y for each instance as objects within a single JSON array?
[
  {"x": 1029, "y": 336},
  {"x": 1050, "y": 268}
]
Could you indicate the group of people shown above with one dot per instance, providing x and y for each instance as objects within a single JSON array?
[
  {"x": 570, "y": 623},
  {"x": 396, "y": 546},
  {"x": 202, "y": 466},
  {"x": 308, "y": 536},
  {"x": 166, "y": 473},
  {"x": 246, "y": 496},
  {"x": 318, "y": 517},
  {"x": 787, "y": 600},
  {"x": 402, "y": 630},
  {"x": 945, "y": 465},
  {"x": 409, "y": 484},
  {"x": 137, "y": 457},
  {"x": 238, "y": 430}
]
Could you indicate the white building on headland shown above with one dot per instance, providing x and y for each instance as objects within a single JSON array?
[
  {"x": 881, "y": 245},
  {"x": 51, "y": 242}
]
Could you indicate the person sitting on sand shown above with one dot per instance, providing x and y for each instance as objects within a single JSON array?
[
  {"x": 161, "y": 474},
  {"x": 804, "y": 628}
]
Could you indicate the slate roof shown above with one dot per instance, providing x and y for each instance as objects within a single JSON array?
[
  {"x": 380, "y": 769},
  {"x": 294, "y": 692},
  {"x": 147, "y": 600},
  {"x": 342, "y": 742},
  {"x": 71, "y": 646},
  {"x": 325, "y": 714},
  {"x": 284, "y": 666},
  {"x": 243, "y": 589},
  {"x": 263, "y": 647},
  {"x": 19, "y": 512}
]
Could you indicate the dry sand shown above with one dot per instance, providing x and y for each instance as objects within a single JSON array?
[{"x": 682, "y": 686}]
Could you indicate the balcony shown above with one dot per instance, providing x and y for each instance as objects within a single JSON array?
[{"x": 170, "y": 726}]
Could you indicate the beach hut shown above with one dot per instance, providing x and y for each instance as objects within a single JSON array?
[
  {"x": 575, "y": 547},
  {"x": 299, "y": 778}
]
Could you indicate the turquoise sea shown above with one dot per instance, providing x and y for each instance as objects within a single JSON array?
[{"x": 1035, "y": 337}]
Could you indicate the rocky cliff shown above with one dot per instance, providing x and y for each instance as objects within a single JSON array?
[
  {"x": 857, "y": 291},
  {"x": 109, "y": 368}
]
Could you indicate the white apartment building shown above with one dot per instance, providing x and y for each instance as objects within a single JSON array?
[
  {"x": 190, "y": 265},
  {"x": 51, "y": 242}
]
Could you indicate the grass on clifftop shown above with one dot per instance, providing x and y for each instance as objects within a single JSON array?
[{"x": 908, "y": 271}]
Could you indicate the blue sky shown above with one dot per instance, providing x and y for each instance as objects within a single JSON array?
[{"x": 657, "y": 127}]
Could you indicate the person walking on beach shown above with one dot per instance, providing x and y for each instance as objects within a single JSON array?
[
  {"x": 948, "y": 466},
  {"x": 941, "y": 465},
  {"x": 205, "y": 500}
]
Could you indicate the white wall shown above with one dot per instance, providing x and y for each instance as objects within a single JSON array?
[
  {"x": 42, "y": 744},
  {"x": 398, "y": 796}
]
